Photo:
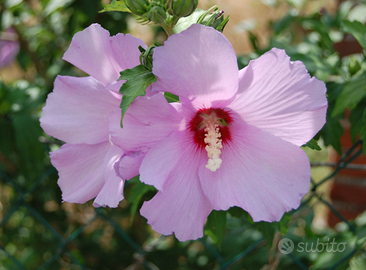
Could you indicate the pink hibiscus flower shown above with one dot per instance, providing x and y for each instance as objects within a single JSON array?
[
  {"x": 78, "y": 112},
  {"x": 235, "y": 135}
]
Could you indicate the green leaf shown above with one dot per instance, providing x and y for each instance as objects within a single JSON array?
[
  {"x": 363, "y": 132},
  {"x": 283, "y": 223},
  {"x": 351, "y": 95},
  {"x": 331, "y": 133},
  {"x": 27, "y": 132},
  {"x": 138, "y": 80},
  {"x": 136, "y": 194},
  {"x": 313, "y": 144},
  {"x": 115, "y": 6},
  {"x": 216, "y": 226},
  {"x": 332, "y": 130},
  {"x": 186, "y": 22},
  {"x": 267, "y": 229},
  {"x": 171, "y": 97},
  {"x": 356, "y": 120},
  {"x": 357, "y": 29}
]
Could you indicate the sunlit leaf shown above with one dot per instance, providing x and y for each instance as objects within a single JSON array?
[
  {"x": 116, "y": 6},
  {"x": 351, "y": 95},
  {"x": 313, "y": 144},
  {"x": 357, "y": 29}
]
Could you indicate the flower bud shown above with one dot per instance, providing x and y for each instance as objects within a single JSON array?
[
  {"x": 183, "y": 8},
  {"x": 156, "y": 14},
  {"x": 216, "y": 20},
  {"x": 353, "y": 66},
  {"x": 138, "y": 7}
]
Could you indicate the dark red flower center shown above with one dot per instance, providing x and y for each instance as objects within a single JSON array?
[
  {"x": 206, "y": 117},
  {"x": 211, "y": 131}
]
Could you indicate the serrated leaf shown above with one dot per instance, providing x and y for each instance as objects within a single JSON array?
[
  {"x": 216, "y": 226},
  {"x": 138, "y": 79},
  {"x": 357, "y": 29},
  {"x": 313, "y": 144},
  {"x": 115, "y": 6},
  {"x": 138, "y": 190},
  {"x": 351, "y": 95}
]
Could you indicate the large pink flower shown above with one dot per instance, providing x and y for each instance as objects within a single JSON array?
[
  {"x": 236, "y": 133},
  {"x": 78, "y": 112}
]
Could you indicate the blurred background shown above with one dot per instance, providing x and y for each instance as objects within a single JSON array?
[{"x": 38, "y": 231}]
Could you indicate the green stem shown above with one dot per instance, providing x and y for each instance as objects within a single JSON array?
[{"x": 169, "y": 30}]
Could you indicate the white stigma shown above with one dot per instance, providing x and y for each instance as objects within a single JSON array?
[{"x": 214, "y": 144}]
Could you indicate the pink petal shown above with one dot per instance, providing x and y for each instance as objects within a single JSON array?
[
  {"x": 112, "y": 192},
  {"x": 101, "y": 56},
  {"x": 81, "y": 170},
  {"x": 78, "y": 110},
  {"x": 181, "y": 207},
  {"x": 261, "y": 173},
  {"x": 148, "y": 120},
  {"x": 125, "y": 49},
  {"x": 168, "y": 156},
  {"x": 280, "y": 97},
  {"x": 129, "y": 165},
  {"x": 199, "y": 64}
]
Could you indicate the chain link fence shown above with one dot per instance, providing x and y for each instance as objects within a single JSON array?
[{"x": 37, "y": 232}]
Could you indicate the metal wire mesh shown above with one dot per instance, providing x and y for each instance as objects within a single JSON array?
[{"x": 60, "y": 250}]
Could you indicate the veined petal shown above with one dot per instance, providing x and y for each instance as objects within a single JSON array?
[
  {"x": 147, "y": 121},
  {"x": 78, "y": 110},
  {"x": 168, "y": 156},
  {"x": 101, "y": 56},
  {"x": 198, "y": 64},
  {"x": 181, "y": 207},
  {"x": 261, "y": 173},
  {"x": 280, "y": 97},
  {"x": 81, "y": 170},
  {"x": 112, "y": 192},
  {"x": 125, "y": 49}
]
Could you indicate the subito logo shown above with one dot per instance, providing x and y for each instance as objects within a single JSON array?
[{"x": 286, "y": 246}]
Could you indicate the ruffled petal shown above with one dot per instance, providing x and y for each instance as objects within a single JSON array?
[
  {"x": 129, "y": 164},
  {"x": 78, "y": 110},
  {"x": 147, "y": 121},
  {"x": 280, "y": 97},
  {"x": 81, "y": 170},
  {"x": 112, "y": 192},
  {"x": 261, "y": 173},
  {"x": 198, "y": 64},
  {"x": 101, "y": 56},
  {"x": 181, "y": 207}
]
